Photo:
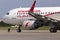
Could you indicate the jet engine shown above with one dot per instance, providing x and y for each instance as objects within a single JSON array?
[{"x": 31, "y": 24}]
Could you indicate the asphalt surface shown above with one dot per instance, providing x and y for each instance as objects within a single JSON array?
[{"x": 29, "y": 35}]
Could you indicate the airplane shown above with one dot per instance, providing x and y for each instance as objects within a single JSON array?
[{"x": 34, "y": 17}]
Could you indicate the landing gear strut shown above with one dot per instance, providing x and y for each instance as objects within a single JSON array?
[
  {"x": 53, "y": 28},
  {"x": 19, "y": 28}
]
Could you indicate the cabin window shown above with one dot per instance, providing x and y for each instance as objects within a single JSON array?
[
  {"x": 46, "y": 12},
  {"x": 49, "y": 12},
  {"x": 42, "y": 13}
]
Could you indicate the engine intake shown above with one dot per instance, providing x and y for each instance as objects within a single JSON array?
[{"x": 31, "y": 24}]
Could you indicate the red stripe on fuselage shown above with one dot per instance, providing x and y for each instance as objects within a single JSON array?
[{"x": 28, "y": 11}]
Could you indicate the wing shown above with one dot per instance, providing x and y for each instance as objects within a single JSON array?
[{"x": 37, "y": 16}]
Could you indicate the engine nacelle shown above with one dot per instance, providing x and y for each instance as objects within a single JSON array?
[{"x": 31, "y": 24}]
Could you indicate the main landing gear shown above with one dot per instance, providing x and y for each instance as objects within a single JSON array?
[
  {"x": 53, "y": 28},
  {"x": 19, "y": 28}
]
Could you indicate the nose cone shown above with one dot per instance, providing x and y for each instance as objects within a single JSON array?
[
  {"x": 5, "y": 19},
  {"x": 10, "y": 20}
]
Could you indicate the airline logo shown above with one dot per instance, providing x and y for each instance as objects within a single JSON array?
[
  {"x": 24, "y": 13},
  {"x": 27, "y": 24}
]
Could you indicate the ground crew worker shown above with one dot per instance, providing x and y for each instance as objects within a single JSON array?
[{"x": 8, "y": 29}]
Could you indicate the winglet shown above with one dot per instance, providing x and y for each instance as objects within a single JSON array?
[{"x": 32, "y": 7}]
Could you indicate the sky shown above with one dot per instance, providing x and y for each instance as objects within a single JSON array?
[{"x": 6, "y": 5}]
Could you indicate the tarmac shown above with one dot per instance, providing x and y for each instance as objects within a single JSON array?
[{"x": 29, "y": 35}]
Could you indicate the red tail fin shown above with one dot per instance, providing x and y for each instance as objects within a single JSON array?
[{"x": 32, "y": 7}]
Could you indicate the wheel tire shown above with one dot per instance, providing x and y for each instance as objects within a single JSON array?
[
  {"x": 19, "y": 30},
  {"x": 53, "y": 30}
]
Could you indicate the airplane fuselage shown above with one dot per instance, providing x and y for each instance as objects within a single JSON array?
[{"x": 19, "y": 15}]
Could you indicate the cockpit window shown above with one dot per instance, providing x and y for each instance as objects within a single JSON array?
[{"x": 7, "y": 13}]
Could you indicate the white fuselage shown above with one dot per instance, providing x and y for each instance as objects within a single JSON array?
[{"x": 19, "y": 15}]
